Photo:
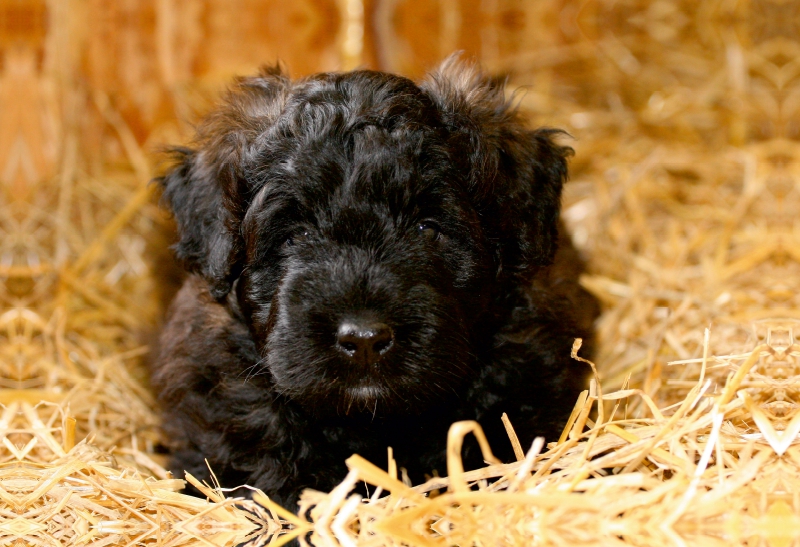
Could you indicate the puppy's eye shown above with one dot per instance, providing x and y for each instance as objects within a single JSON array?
[
  {"x": 299, "y": 236},
  {"x": 429, "y": 230}
]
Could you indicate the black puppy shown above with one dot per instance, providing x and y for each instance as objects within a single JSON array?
[{"x": 372, "y": 260}]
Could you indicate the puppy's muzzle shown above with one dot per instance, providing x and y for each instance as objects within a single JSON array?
[{"x": 365, "y": 343}]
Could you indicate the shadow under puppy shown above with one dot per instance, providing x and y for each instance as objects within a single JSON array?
[{"x": 371, "y": 260}]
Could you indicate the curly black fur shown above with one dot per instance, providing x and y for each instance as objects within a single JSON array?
[{"x": 364, "y": 199}]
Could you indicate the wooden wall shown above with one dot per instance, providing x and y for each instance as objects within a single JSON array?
[{"x": 160, "y": 61}]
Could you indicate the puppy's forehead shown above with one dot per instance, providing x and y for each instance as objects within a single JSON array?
[
  {"x": 362, "y": 135},
  {"x": 371, "y": 173}
]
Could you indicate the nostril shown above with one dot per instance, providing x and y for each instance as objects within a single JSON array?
[
  {"x": 348, "y": 347},
  {"x": 382, "y": 340},
  {"x": 364, "y": 343}
]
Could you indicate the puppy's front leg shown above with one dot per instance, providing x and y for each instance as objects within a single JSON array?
[{"x": 220, "y": 404}]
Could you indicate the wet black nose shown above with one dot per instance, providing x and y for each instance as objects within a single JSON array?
[{"x": 365, "y": 343}]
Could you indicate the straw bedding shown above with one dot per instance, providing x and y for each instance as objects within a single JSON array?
[{"x": 683, "y": 196}]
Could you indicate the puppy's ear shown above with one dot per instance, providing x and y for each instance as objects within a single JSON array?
[
  {"x": 515, "y": 175},
  {"x": 207, "y": 189}
]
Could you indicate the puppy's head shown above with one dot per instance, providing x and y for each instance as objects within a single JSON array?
[{"x": 371, "y": 224}]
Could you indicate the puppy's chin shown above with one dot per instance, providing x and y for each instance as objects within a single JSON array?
[
  {"x": 363, "y": 398},
  {"x": 368, "y": 397},
  {"x": 365, "y": 392}
]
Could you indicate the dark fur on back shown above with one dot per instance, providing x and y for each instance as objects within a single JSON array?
[{"x": 417, "y": 224}]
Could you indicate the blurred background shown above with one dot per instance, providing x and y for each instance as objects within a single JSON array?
[
  {"x": 685, "y": 117},
  {"x": 687, "y": 64}
]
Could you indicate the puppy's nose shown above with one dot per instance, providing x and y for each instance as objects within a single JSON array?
[{"x": 364, "y": 343}]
